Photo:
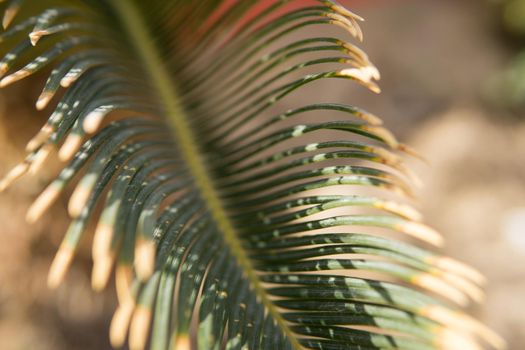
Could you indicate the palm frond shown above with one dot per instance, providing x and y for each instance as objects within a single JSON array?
[{"x": 223, "y": 198}]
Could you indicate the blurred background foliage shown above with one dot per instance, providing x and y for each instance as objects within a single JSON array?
[
  {"x": 453, "y": 80},
  {"x": 506, "y": 88}
]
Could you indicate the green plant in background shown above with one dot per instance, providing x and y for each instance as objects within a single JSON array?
[
  {"x": 513, "y": 13},
  {"x": 506, "y": 88},
  {"x": 226, "y": 209}
]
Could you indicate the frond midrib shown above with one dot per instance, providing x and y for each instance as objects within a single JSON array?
[{"x": 176, "y": 118}]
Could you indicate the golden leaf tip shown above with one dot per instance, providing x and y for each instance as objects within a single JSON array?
[
  {"x": 363, "y": 75},
  {"x": 43, "y": 100},
  {"x": 103, "y": 259},
  {"x": 123, "y": 279},
  {"x": 457, "y": 267},
  {"x": 102, "y": 240},
  {"x": 145, "y": 252},
  {"x": 469, "y": 288},
  {"x": 384, "y": 134},
  {"x": 120, "y": 324},
  {"x": 405, "y": 211},
  {"x": 9, "y": 15},
  {"x": 454, "y": 319},
  {"x": 183, "y": 343},
  {"x": 66, "y": 81},
  {"x": 412, "y": 152},
  {"x": 449, "y": 339},
  {"x": 371, "y": 118},
  {"x": 3, "y": 69},
  {"x": 78, "y": 200},
  {"x": 92, "y": 121},
  {"x": 13, "y": 175},
  {"x": 344, "y": 11},
  {"x": 42, "y": 203},
  {"x": 9, "y": 80},
  {"x": 40, "y": 158},
  {"x": 358, "y": 56},
  {"x": 412, "y": 176},
  {"x": 101, "y": 272},
  {"x": 71, "y": 145},
  {"x": 60, "y": 266},
  {"x": 139, "y": 328},
  {"x": 34, "y": 37},
  {"x": 351, "y": 26},
  {"x": 389, "y": 157},
  {"x": 423, "y": 232},
  {"x": 439, "y": 286},
  {"x": 39, "y": 138}
]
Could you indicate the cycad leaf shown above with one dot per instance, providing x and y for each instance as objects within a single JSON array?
[{"x": 227, "y": 200}]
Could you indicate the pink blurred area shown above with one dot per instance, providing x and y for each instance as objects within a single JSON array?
[{"x": 262, "y": 5}]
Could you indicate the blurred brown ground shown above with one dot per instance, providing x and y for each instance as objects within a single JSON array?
[{"x": 435, "y": 57}]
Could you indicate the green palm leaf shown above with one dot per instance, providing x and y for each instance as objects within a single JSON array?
[{"x": 224, "y": 200}]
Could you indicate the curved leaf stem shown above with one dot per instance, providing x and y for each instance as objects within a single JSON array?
[{"x": 168, "y": 96}]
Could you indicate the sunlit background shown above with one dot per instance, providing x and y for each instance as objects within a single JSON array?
[{"x": 453, "y": 81}]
